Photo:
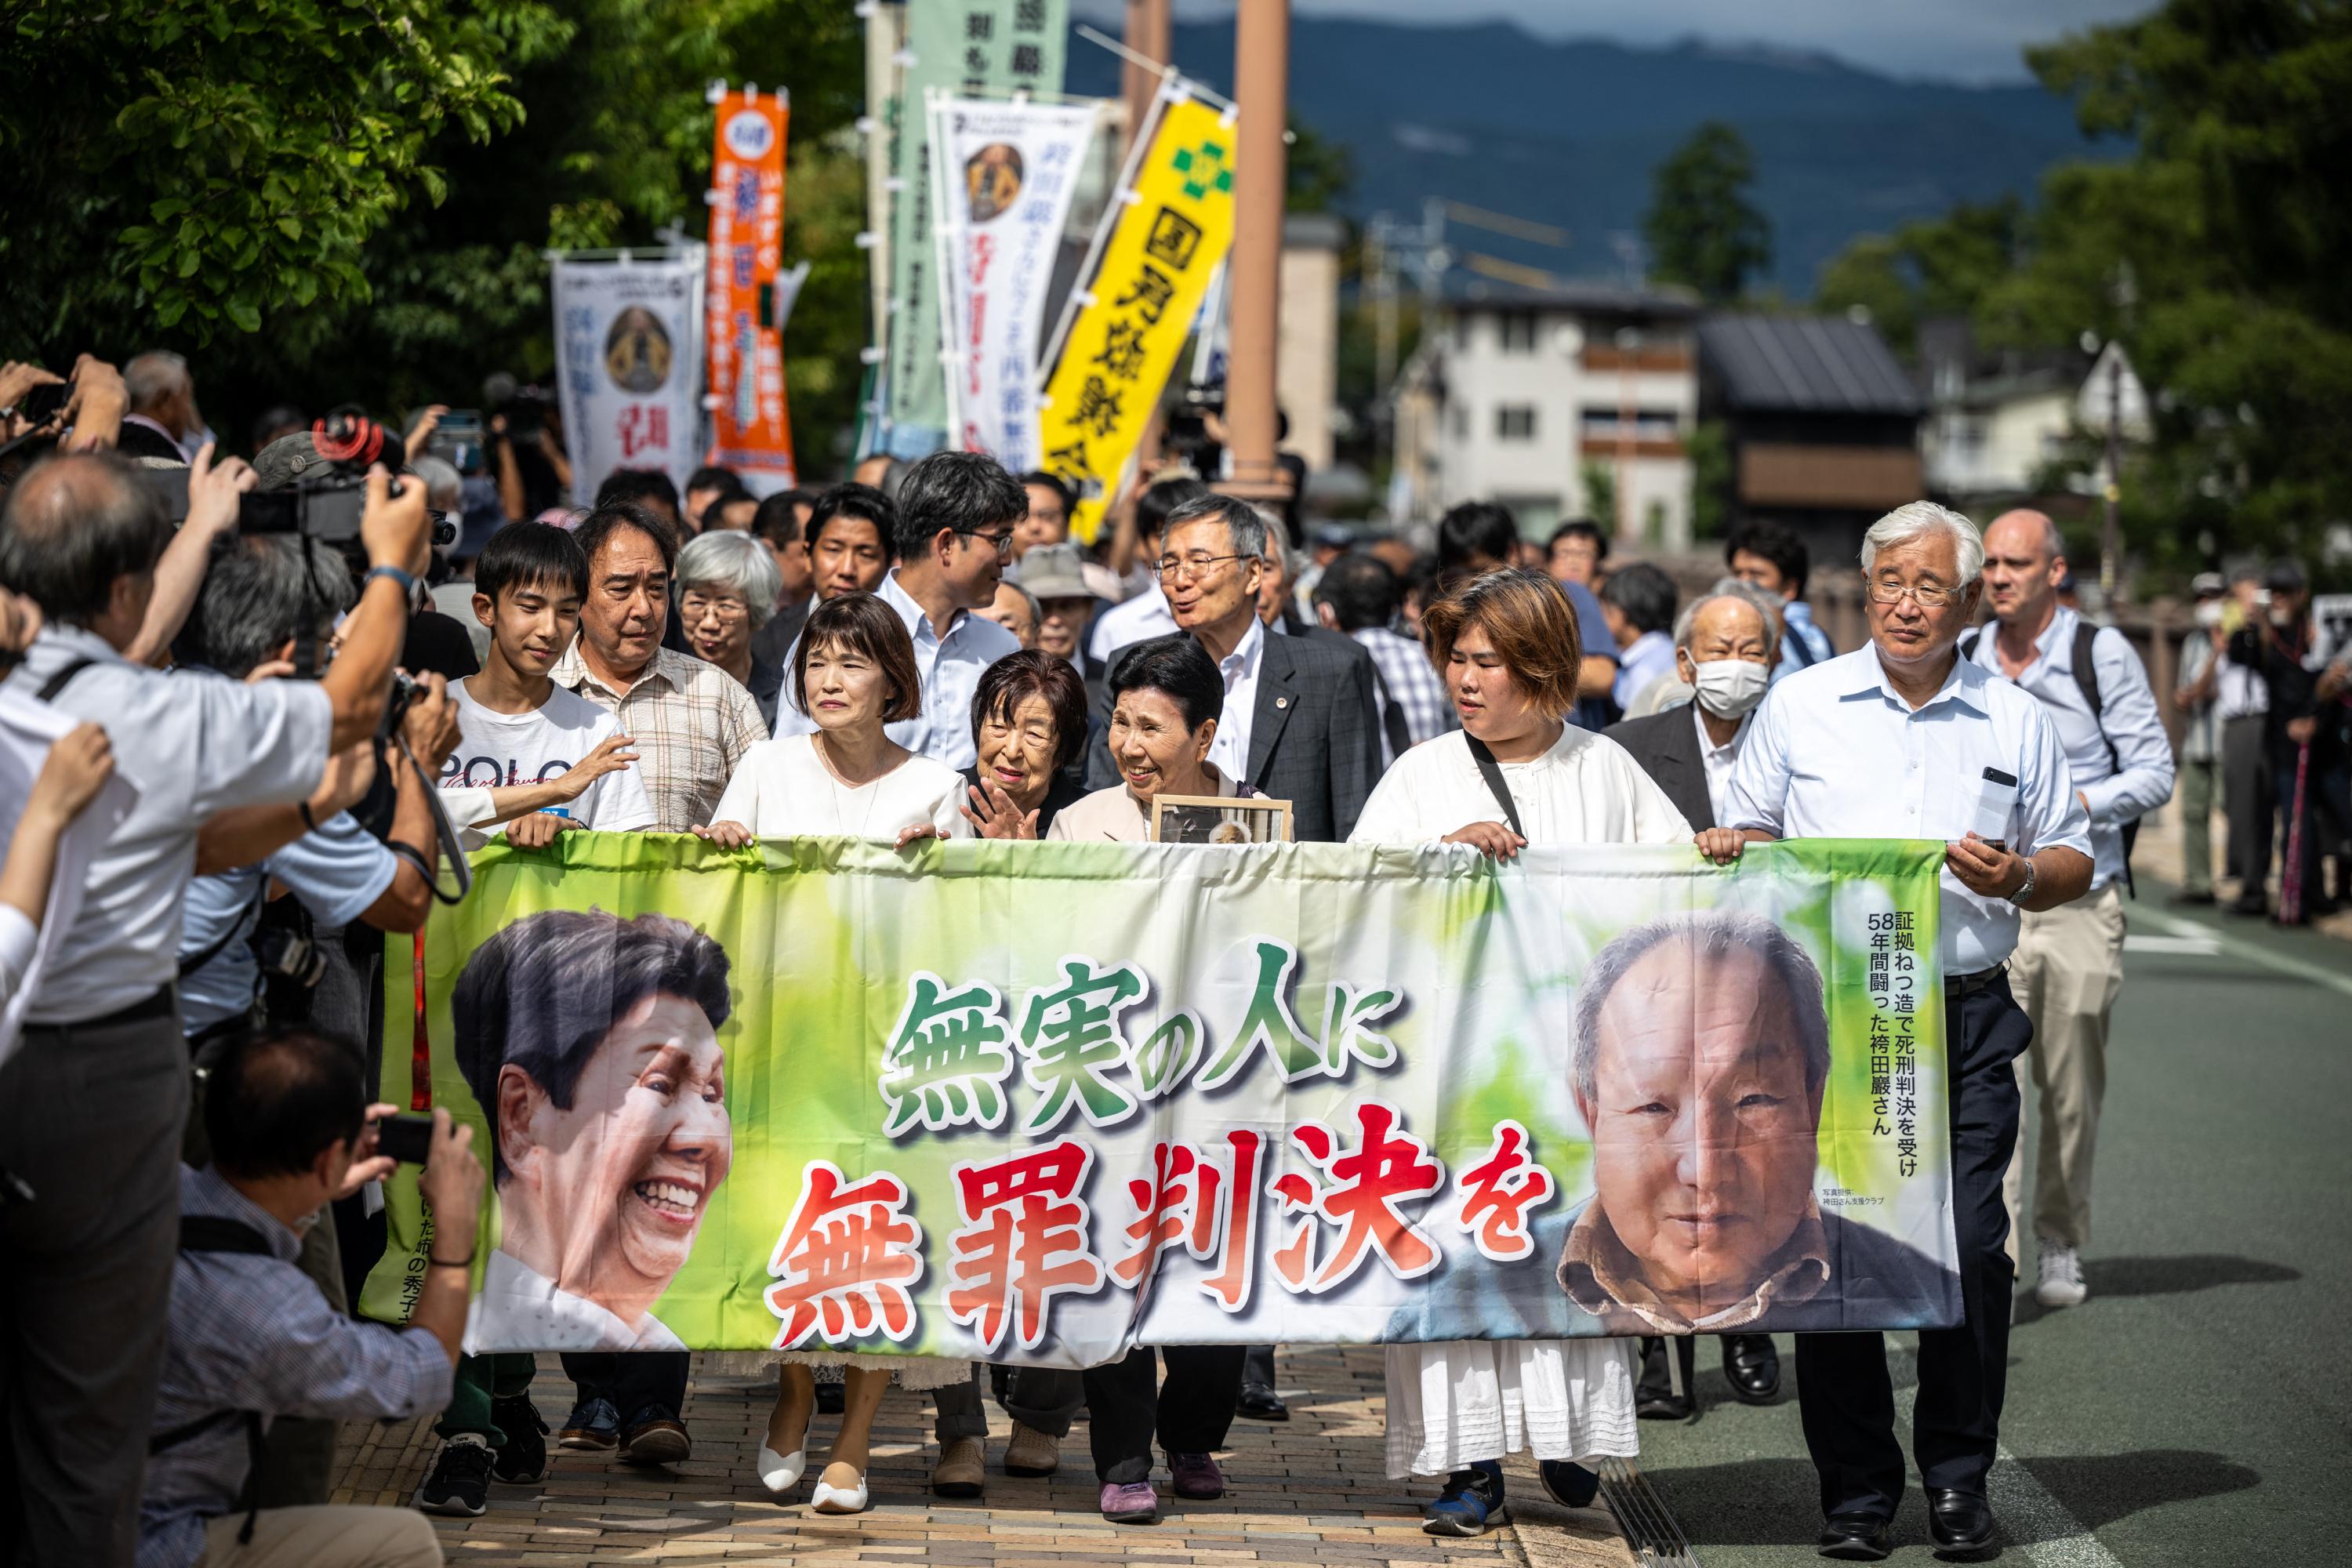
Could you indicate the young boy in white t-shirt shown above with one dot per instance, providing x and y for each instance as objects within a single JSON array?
[{"x": 531, "y": 754}]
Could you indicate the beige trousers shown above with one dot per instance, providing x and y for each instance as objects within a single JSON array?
[
  {"x": 2066, "y": 973},
  {"x": 343, "y": 1537}
]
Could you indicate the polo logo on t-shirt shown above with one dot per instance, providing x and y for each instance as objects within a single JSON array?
[{"x": 489, "y": 773}]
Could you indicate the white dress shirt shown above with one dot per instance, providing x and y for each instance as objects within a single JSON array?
[
  {"x": 519, "y": 1305},
  {"x": 951, "y": 667},
  {"x": 191, "y": 744},
  {"x": 2137, "y": 776},
  {"x": 1719, "y": 760},
  {"x": 1646, "y": 659},
  {"x": 1130, "y": 621},
  {"x": 1836, "y": 753},
  {"x": 1230, "y": 750},
  {"x": 2239, "y": 693}
]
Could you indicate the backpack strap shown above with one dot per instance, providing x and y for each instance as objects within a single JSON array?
[
  {"x": 62, "y": 678},
  {"x": 2086, "y": 680},
  {"x": 218, "y": 1233}
]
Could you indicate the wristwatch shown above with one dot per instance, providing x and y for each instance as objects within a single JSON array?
[{"x": 2025, "y": 889}]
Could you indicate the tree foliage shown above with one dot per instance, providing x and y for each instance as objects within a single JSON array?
[
  {"x": 2214, "y": 254},
  {"x": 1702, "y": 230},
  {"x": 425, "y": 152}
]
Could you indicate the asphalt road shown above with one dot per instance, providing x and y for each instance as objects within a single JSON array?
[{"x": 2198, "y": 1408}]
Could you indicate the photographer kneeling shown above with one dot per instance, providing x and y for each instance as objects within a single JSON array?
[
  {"x": 93, "y": 1102},
  {"x": 251, "y": 1339}
]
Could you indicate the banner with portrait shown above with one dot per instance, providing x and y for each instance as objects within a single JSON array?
[
  {"x": 1163, "y": 238},
  {"x": 1039, "y": 1102},
  {"x": 951, "y": 46},
  {"x": 1006, "y": 174},
  {"x": 628, "y": 364},
  {"x": 750, "y": 294}
]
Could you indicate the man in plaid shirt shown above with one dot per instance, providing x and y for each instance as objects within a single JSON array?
[
  {"x": 1359, "y": 594},
  {"x": 691, "y": 724}
]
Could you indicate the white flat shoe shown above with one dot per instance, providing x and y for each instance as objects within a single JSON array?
[
  {"x": 828, "y": 1498},
  {"x": 780, "y": 1473}
]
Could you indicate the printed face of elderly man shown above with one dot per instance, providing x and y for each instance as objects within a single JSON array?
[{"x": 1699, "y": 1070}]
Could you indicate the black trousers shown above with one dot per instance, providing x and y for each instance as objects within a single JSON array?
[
  {"x": 632, "y": 1380},
  {"x": 91, "y": 1119},
  {"x": 1844, "y": 1391},
  {"x": 1127, "y": 1406}
]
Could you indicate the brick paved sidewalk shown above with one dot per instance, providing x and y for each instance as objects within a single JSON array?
[{"x": 1311, "y": 1490}]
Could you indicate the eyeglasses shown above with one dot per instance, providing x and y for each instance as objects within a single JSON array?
[
  {"x": 1002, "y": 543},
  {"x": 1191, "y": 568},
  {"x": 691, "y": 605},
  {"x": 1928, "y": 598}
]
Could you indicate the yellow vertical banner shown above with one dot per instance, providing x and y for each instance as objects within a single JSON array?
[{"x": 1172, "y": 228}]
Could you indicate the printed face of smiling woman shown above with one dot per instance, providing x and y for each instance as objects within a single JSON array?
[{"x": 610, "y": 1190}]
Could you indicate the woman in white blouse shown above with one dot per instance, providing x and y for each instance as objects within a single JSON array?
[
  {"x": 1506, "y": 645},
  {"x": 853, "y": 672}
]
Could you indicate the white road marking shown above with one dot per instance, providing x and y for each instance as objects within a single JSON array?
[
  {"x": 2022, "y": 1506},
  {"x": 2334, "y": 979},
  {"x": 2202, "y": 945}
]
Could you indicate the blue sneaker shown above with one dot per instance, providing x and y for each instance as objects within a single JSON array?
[
  {"x": 1571, "y": 1486},
  {"x": 1471, "y": 1504},
  {"x": 593, "y": 1424}
]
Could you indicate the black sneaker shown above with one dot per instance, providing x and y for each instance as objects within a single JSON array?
[
  {"x": 522, "y": 1457},
  {"x": 460, "y": 1481}
]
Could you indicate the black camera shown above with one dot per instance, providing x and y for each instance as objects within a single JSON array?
[
  {"x": 288, "y": 957},
  {"x": 326, "y": 502},
  {"x": 43, "y": 403},
  {"x": 525, "y": 405}
]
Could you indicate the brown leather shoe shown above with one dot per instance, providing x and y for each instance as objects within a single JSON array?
[
  {"x": 1031, "y": 1452},
  {"x": 660, "y": 1442},
  {"x": 962, "y": 1469}
]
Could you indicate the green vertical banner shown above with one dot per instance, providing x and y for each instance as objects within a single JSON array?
[
  {"x": 1041, "y": 1102},
  {"x": 972, "y": 48}
]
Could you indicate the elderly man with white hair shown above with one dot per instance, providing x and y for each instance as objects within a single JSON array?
[
  {"x": 726, "y": 588},
  {"x": 1725, "y": 644},
  {"x": 1905, "y": 739}
]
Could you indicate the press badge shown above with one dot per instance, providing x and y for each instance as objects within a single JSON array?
[{"x": 1996, "y": 800}]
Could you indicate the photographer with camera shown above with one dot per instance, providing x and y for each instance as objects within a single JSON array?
[
  {"x": 252, "y": 1342},
  {"x": 94, "y": 1103}
]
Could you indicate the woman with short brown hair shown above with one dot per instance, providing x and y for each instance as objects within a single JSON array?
[{"x": 1505, "y": 644}]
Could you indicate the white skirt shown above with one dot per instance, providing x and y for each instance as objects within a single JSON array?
[
  {"x": 1453, "y": 1404},
  {"x": 914, "y": 1372}
]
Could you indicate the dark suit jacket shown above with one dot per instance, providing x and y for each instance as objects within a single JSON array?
[
  {"x": 1667, "y": 746},
  {"x": 1315, "y": 734}
]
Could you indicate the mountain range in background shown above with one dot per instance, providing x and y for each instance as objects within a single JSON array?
[{"x": 1568, "y": 133}]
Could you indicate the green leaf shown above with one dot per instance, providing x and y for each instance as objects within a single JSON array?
[{"x": 244, "y": 315}]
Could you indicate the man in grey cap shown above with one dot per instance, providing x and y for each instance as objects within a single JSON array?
[
  {"x": 1055, "y": 576},
  {"x": 2199, "y": 764}
]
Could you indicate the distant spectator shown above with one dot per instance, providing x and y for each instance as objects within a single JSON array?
[
  {"x": 163, "y": 399},
  {"x": 731, "y": 513},
  {"x": 1359, "y": 594},
  {"x": 1048, "y": 522},
  {"x": 1067, "y": 601},
  {"x": 279, "y": 419},
  {"x": 1774, "y": 559},
  {"x": 726, "y": 582},
  {"x": 1639, "y": 603},
  {"x": 1579, "y": 552},
  {"x": 2199, "y": 763},
  {"x": 1016, "y": 610},
  {"x": 704, "y": 485},
  {"x": 781, "y": 524}
]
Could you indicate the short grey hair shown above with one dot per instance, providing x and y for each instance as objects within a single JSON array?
[
  {"x": 1712, "y": 934},
  {"x": 153, "y": 376},
  {"x": 1915, "y": 520},
  {"x": 1036, "y": 610},
  {"x": 445, "y": 487},
  {"x": 732, "y": 563},
  {"x": 1747, "y": 594},
  {"x": 1244, "y": 527},
  {"x": 254, "y": 595}
]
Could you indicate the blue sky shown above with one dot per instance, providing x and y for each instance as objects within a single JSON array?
[{"x": 1951, "y": 40}]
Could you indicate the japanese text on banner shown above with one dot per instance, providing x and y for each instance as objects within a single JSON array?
[{"x": 750, "y": 429}]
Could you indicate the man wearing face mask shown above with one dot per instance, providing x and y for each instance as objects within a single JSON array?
[{"x": 1725, "y": 645}]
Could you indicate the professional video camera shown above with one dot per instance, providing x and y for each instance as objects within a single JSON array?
[
  {"x": 327, "y": 501},
  {"x": 524, "y": 405}
]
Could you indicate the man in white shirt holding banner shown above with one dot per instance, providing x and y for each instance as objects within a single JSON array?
[{"x": 1904, "y": 738}]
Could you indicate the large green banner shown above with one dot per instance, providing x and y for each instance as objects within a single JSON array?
[{"x": 1039, "y": 1102}]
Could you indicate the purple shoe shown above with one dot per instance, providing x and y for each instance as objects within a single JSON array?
[
  {"x": 1132, "y": 1503},
  {"x": 1197, "y": 1477}
]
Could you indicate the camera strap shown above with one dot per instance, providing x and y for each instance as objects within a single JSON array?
[
  {"x": 249, "y": 919},
  {"x": 450, "y": 848}
]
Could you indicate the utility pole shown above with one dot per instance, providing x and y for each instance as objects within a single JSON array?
[
  {"x": 1148, "y": 34},
  {"x": 2111, "y": 531},
  {"x": 1262, "y": 88}
]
